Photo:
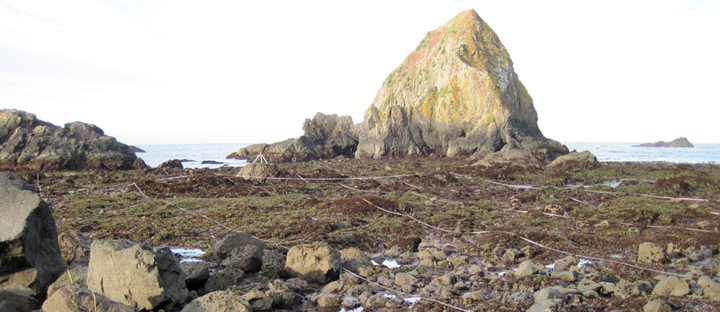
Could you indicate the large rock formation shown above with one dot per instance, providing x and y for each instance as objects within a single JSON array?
[
  {"x": 29, "y": 143},
  {"x": 326, "y": 136},
  {"x": 679, "y": 142},
  {"x": 455, "y": 95},
  {"x": 30, "y": 257}
]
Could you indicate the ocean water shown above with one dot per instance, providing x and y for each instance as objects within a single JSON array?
[
  {"x": 197, "y": 153},
  {"x": 701, "y": 153}
]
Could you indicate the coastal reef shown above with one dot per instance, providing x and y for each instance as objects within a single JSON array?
[
  {"x": 405, "y": 234},
  {"x": 27, "y": 143},
  {"x": 456, "y": 94},
  {"x": 679, "y": 142}
]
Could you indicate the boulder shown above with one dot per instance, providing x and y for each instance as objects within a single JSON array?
[
  {"x": 325, "y": 136},
  {"x": 224, "y": 247},
  {"x": 76, "y": 275},
  {"x": 656, "y": 305},
  {"x": 30, "y": 258},
  {"x": 316, "y": 263},
  {"x": 27, "y": 143},
  {"x": 196, "y": 274},
  {"x": 258, "y": 171},
  {"x": 219, "y": 301},
  {"x": 455, "y": 95},
  {"x": 565, "y": 263},
  {"x": 7, "y": 306},
  {"x": 624, "y": 289},
  {"x": 283, "y": 295},
  {"x": 258, "y": 300},
  {"x": 222, "y": 279},
  {"x": 171, "y": 164},
  {"x": 21, "y": 299},
  {"x": 137, "y": 275},
  {"x": 671, "y": 286},
  {"x": 651, "y": 253},
  {"x": 575, "y": 162},
  {"x": 74, "y": 247},
  {"x": 353, "y": 258},
  {"x": 679, "y": 142},
  {"x": 528, "y": 267},
  {"x": 247, "y": 258},
  {"x": 72, "y": 298}
]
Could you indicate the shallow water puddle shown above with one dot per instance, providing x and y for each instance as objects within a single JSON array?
[
  {"x": 358, "y": 309},
  {"x": 188, "y": 254},
  {"x": 390, "y": 264}
]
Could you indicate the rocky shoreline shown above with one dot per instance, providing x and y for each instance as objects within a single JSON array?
[{"x": 486, "y": 237}]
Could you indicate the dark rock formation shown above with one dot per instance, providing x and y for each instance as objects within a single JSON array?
[
  {"x": 30, "y": 258},
  {"x": 679, "y": 142},
  {"x": 172, "y": 164},
  {"x": 326, "y": 136},
  {"x": 32, "y": 144},
  {"x": 456, "y": 94}
]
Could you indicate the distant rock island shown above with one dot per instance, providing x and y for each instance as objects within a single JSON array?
[
  {"x": 27, "y": 143},
  {"x": 457, "y": 94},
  {"x": 679, "y": 142}
]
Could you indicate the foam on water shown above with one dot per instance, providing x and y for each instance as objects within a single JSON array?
[{"x": 188, "y": 254}]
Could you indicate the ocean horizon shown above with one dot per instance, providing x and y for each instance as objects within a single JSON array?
[{"x": 214, "y": 153}]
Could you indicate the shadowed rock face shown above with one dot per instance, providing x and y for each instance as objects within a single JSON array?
[
  {"x": 456, "y": 94},
  {"x": 32, "y": 144}
]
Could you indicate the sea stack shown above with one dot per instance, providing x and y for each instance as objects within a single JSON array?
[{"x": 457, "y": 94}]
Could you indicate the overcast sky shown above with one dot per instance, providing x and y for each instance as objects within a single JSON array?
[{"x": 168, "y": 72}]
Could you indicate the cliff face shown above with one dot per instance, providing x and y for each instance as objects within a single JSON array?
[
  {"x": 456, "y": 94},
  {"x": 27, "y": 143}
]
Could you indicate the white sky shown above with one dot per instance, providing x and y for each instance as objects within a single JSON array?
[{"x": 169, "y": 72}]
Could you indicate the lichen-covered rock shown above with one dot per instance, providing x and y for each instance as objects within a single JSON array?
[
  {"x": 315, "y": 263},
  {"x": 651, "y": 253},
  {"x": 528, "y": 267},
  {"x": 30, "y": 258},
  {"x": 74, "y": 247},
  {"x": 575, "y": 162},
  {"x": 456, "y": 94},
  {"x": 671, "y": 286},
  {"x": 32, "y": 144},
  {"x": 326, "y": 136},
  {"x": 72, "y": 298},
  {"x": 219, "y": 301},
  {"x": 258, "y": 171},
  {"x": 137, "y": 275}
]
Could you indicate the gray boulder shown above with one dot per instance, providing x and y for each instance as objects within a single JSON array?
[
  {"x": 247, "y": 258},
  {"x": 258, "y": 300},
  {"x": 219, "y": 301},
  {"x": 76, "y": 275},
  {"x": 32, "y": 144},
  {"x": 671, "y": 286},
  {"x": 30, "y": 259},
  {"x": 7, "y": 306},
  {"x": 137, "y": 275},
  {"x": 72, "y": 298},
  {"x": 224, "y": 247},
  {"x": 316, "y": 263}
]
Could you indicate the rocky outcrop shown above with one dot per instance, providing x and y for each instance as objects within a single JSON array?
[
  {"x": 457, "y": 94},
  {"x": 679, "y": 142},
  {"x": 28, "y": 143},
  {"x": 30, "y": 258},
  {"x": 137, "y": 275},
  {"x": 326, "y": 136}
]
